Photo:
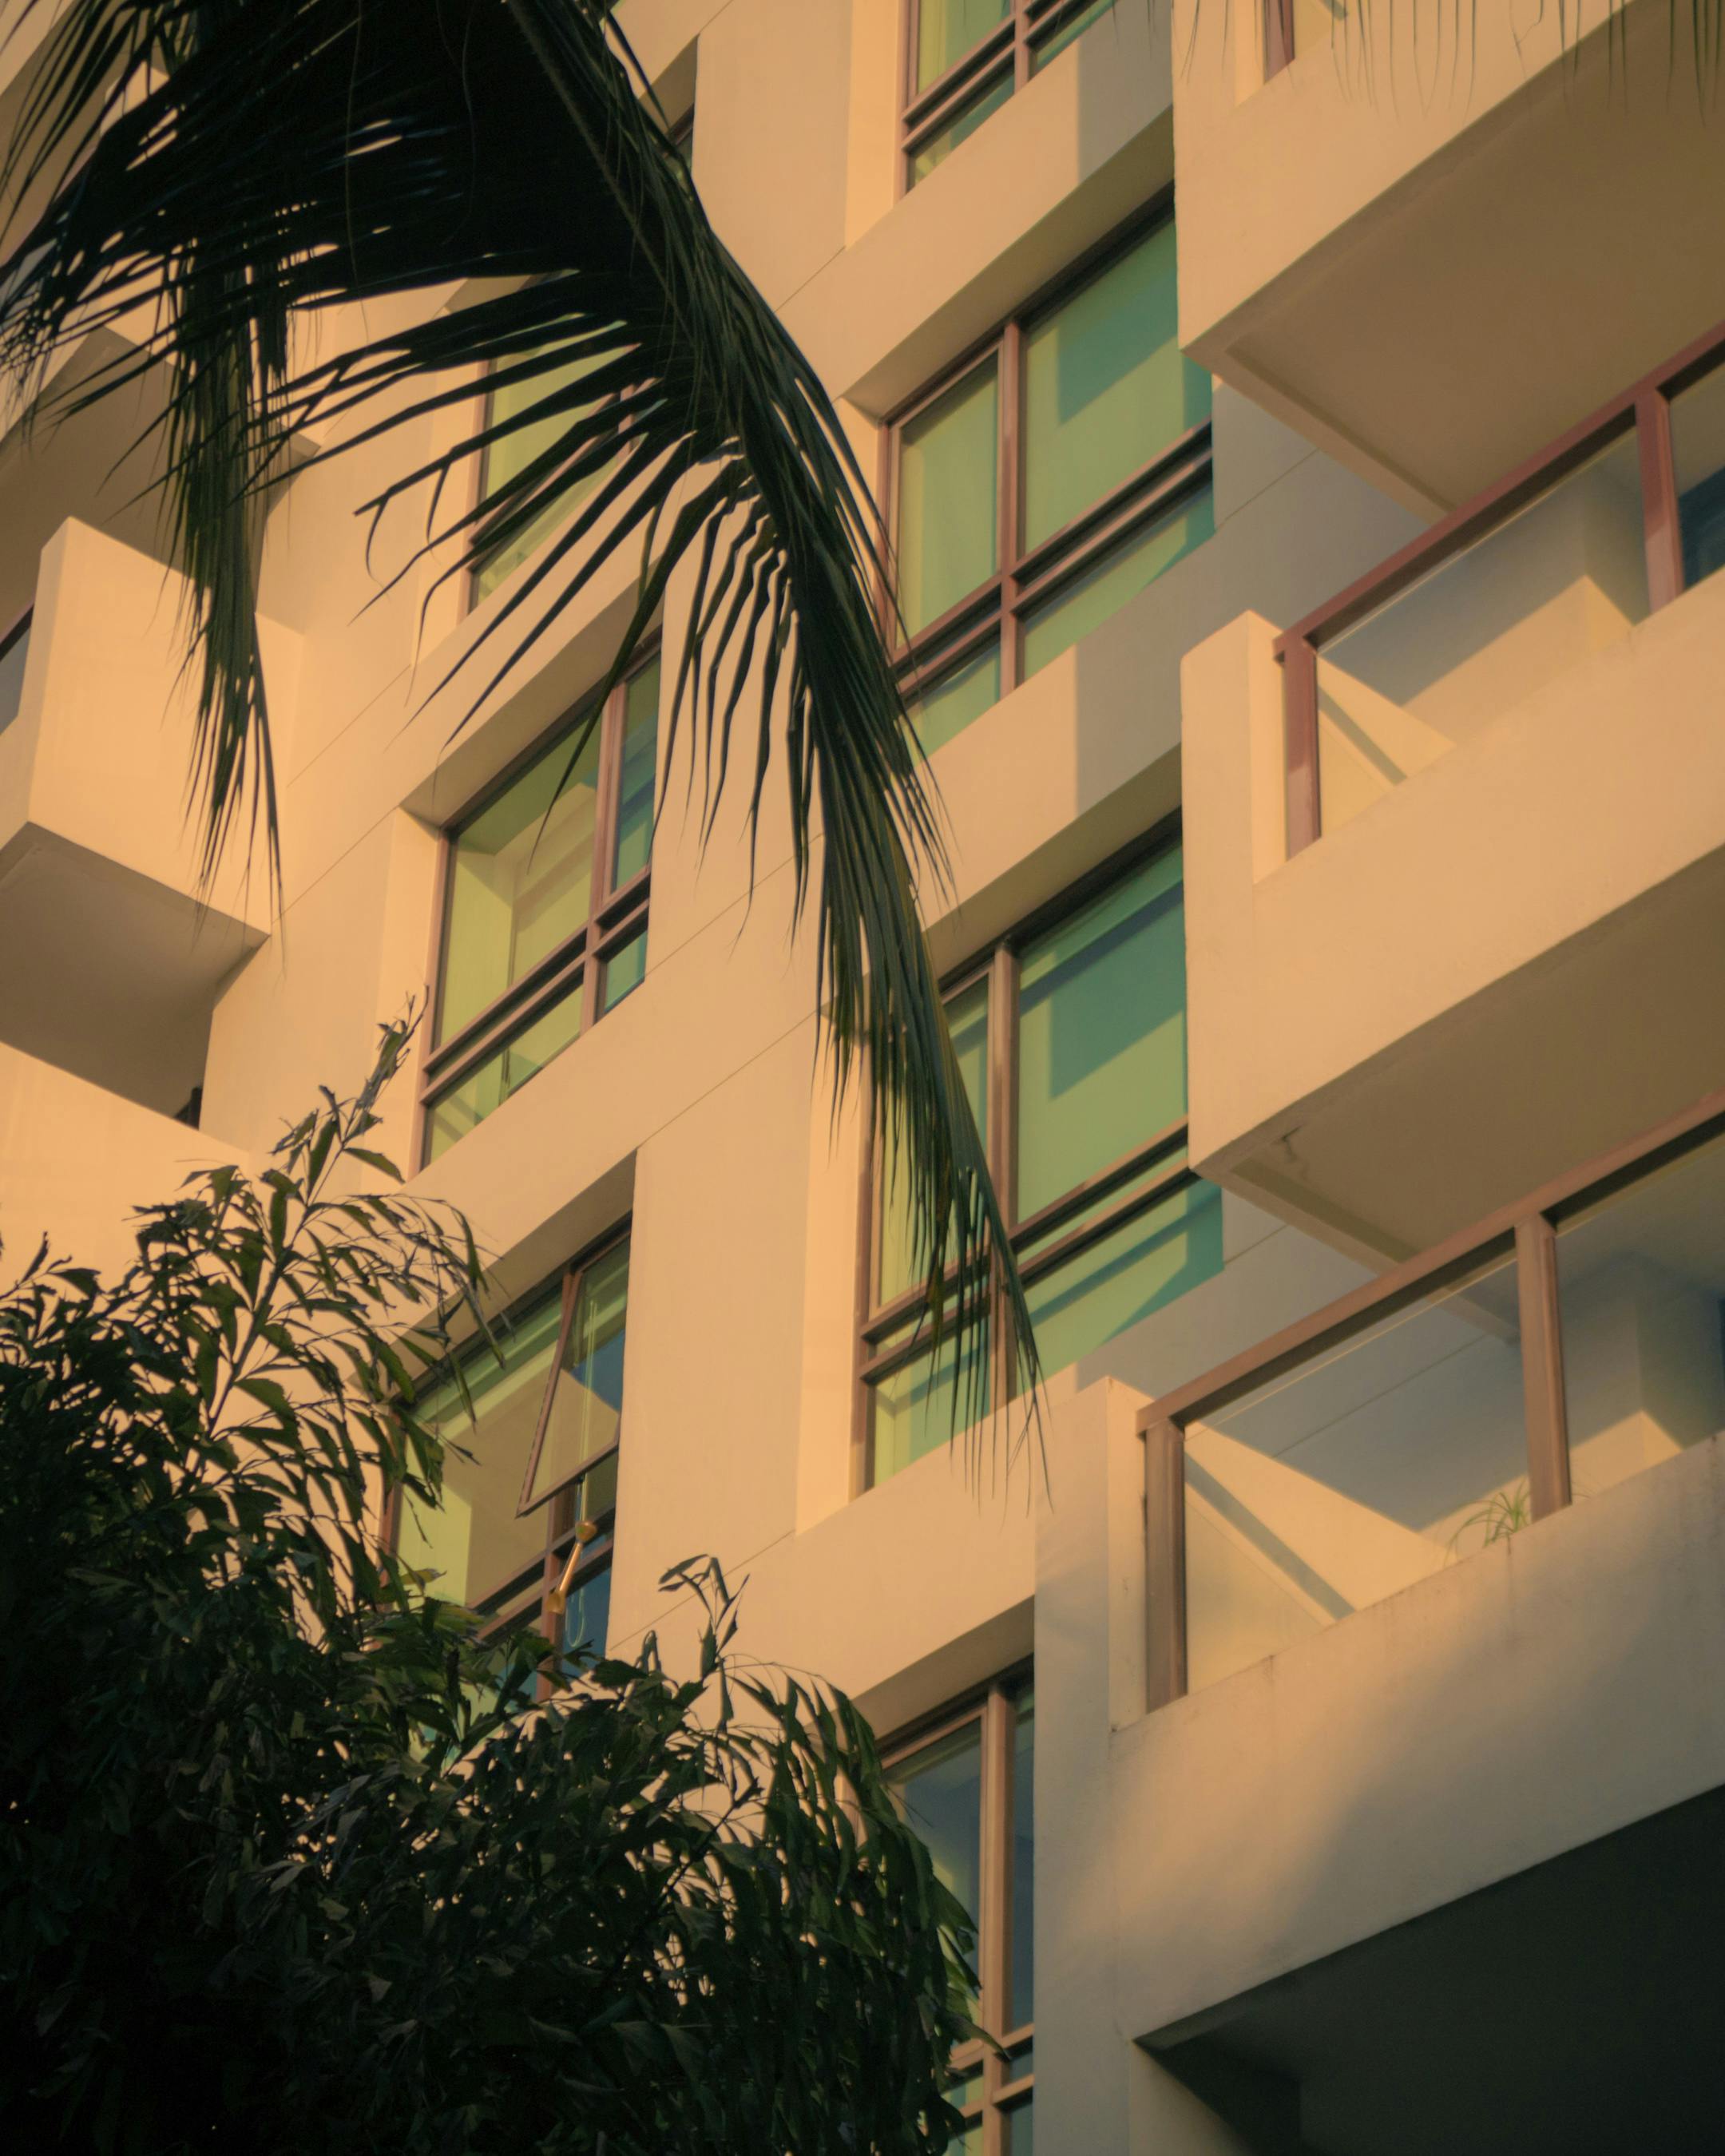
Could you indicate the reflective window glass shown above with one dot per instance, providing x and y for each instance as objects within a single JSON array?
[
  {"x": 947, "y": 29},
  {"x": 949, "y": 525},
  {"x": 634, "y": 792},
  {"x": 967, "y": 1020},
  {"x": 503, "y": 460},
  {"x": 587, "y": 1406}
]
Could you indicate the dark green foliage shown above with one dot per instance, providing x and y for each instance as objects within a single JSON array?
[
  {"x": 277, "y": 1874},
  {"x": 264, "y": 162}
]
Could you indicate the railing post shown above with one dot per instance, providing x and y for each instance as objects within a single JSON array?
[
  {"x": 1278, "y": 36},
  {"x": 1164, "y": 1562},
  {"x": 1661, "y": 527},
  {"x": 1299, "y": 707},
  {"x": 1542, "y": 1366}
]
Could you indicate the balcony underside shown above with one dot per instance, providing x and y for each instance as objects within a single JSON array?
[{"x": 1574, "y": 2008}]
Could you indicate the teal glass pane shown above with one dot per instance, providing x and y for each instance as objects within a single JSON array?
[
  {"x": 586, "y": 1614},
  {"x": 913, "y": 1410},
  {"x": 953, "y": 700},
  {"x": 640, "y": 765},
  {"x": 1041, "y": 55},
  {"x": 454, "y": 1114},
  {"x": 587, "y": 1408},
  {"x": 502, "y": 460},
  {"x": 1127, "y": 1276},
  {"x": 475, "y": 1541},
  {"x": 939, "y": 1790},
  {"x": 1022, "y": 2007},
  {"x": 1078, "y": 608},
  {"x": 1020, "y": 2136},
  {"x": 1101, "y": 1033},
  {"x": 1106, "y": 386},
  {"x": 949, "y": 475},
  {"x": 625, "y": 970},
  {"x": 967, "y": 1020},
  {"x": 947, "y": 29},
  {"x": 14, "y": 657},
  {"x": 939, "y": 146},
  {"x": 520, "y": 879}
]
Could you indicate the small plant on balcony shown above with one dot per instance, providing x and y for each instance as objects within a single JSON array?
[{"x": 1504, "y": 1513}]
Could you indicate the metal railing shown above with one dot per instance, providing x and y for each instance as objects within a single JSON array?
[
  {"x": 1644, "y": 410},
  {"x": 1525, "y": 1233}
]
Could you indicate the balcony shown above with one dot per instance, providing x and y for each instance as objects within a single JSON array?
[
  {"x": 111, "y": 956},
  {"x": 1436, "y": 236},
  {"x": 1461, "y": 832}
]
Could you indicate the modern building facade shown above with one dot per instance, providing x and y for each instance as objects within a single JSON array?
[{"x": 1304, "y": 450}]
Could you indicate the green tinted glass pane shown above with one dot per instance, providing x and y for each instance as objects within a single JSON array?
[
  {"x": 939, "y": 147},
  {"x": 454, "y": 1114},
  {"x": 1127, "y": 1276},
  {"x": 947, "y": 29},
  {"x": 520, "y": 879},
  {"x": 968, "y": 1018},
  {"x": 1020, "y": 2137},
  {"x": 503, "y": 460},
  {"x": 635, "y": 796},
  {"x": 1106, "y": 386},
  {"x": 1083, "y": 605},
  {"x": 911, "y": 1411},
  {"x": 475, "y": 1540},
  {"x": 586, "y": 1614},
  {"x": 625, "y": 970},
  {"x": 955, "y": 698},
  {"x": 1101, "y": 1033},
  {"x": 939, "y": 1791},
  {"x": 587, "y": 1408},
  {"x": 1022, "y": 2005},
  {"x": 1041, "y": 55},
  {"x": 948, "y": 470}
]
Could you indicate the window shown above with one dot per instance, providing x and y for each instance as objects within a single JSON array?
[
  {"x": 506, "y": 459},
  {"x": 14, "y": 652},
  {"x": 1071, "y": 1035},
  {"x": 967, "y": 1785},
  {"x": 529, "y": 1507},
  {"x": 545, "y": 910},
  {"x": 966, "y": 57},
  {"x": 1049, "y": 478}
]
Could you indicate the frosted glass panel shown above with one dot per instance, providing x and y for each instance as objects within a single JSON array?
[
  {"x": 1483, "y": 633},
  {"x": 1101, "y": 1033},
  {"x": 947, "y": 523},
  {"x": 1106, "y": 386},
  {"x": 1641, "y": 1287},
  {"x": 968, "y": 1018},
  {"x": 521, "y": 879},
  {"x": 474, "y": 1541},
  {"x": 1355, "y": 1475},
  {"x": 587, "y": 1408},
  {"x": 947, "y": 29}
]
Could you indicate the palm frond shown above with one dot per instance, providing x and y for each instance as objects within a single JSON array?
[{"x": 242, "y": 162}]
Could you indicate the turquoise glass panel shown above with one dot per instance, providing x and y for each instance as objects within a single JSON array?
[
  {"x": 946, "y": 30},
  {"x": 948, "y": 529},
  {"x": 1078, "y": 608},
  {"x": 1101, "y": 1033},
  {"x": 625, "y": 970},
  {"x": 1020, "y": 2134},
  {"x": 954, "y": 698},
  {"x": 586, "y": 1614},
  {"x": 918, "y": 1407},
  {"x": 1022, "y": 2006},
  {"x": 1106, "y": 386},
  {"x": 967, "y": 1020},
  {"x": 1136, "y": 1270},
  {"x": 451, "y": 1114},
  {"x": 14, "y": 657},
  {"x": 1041, "y": 55},
  {"x": 474, "y": 1541},
  {"x": 640, "y": 764},
  {"x": 939, "y": 146},
  {"x": 503, "y": 460},
  {"x": 521, "y": 879}
]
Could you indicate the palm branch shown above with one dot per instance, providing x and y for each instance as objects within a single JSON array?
[{"x": 234, "y": 165}]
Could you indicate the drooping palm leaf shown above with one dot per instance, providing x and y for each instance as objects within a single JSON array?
[{"x": 247, "y": 161}]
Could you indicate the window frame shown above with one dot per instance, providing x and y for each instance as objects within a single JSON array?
[
  {"x": 515, "y": 1595},
  {"x": 1008, "y": 50},
  {"x": 994, "y": 1706},
  {"x": 1026, "y": 577},
  {"x": 878, "y": 1353},
  {"x": 616, "y": 914}
]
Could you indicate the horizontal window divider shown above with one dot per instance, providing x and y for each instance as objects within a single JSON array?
[
  {"x": 1046, "y": 19},
  {"x": 1141, "y": 1159},
  {"x": 922, "y": 667},
  {"x": 500, "y": 1013},
  {"x": 985, "y": 600},
  {"x": 586, "y": 1468},
  {"x": 1158, "y": 486},
  {"x": 919, "y": 1342},
  {"x": 624, "y": 899},
  {"x": 1031, "y": 1268},
  {"x": 619, "y": 938},
  {"x": 505, "y": 1030},
  {"x": 961, "y": 77},
  {"x": 892, "y": 1315}
]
